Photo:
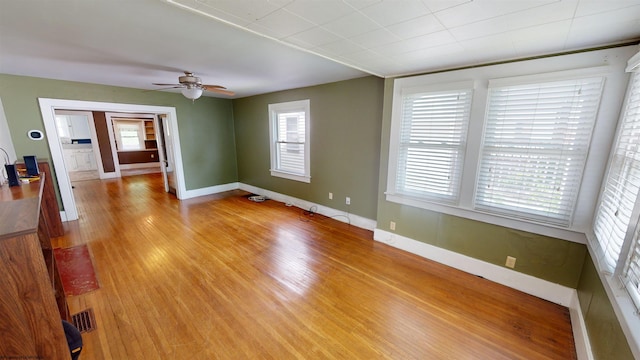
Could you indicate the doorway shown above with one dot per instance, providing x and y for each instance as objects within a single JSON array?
[
  {"x": 77, "y": 135},
  {"x": 48, "y": 108}
]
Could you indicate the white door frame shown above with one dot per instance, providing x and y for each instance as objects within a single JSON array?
[
  {"x": 161, "y": 151},
  {"x": 48, "y": 108}
]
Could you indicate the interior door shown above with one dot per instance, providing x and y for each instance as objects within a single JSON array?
[{"x": 166, "y": 153}]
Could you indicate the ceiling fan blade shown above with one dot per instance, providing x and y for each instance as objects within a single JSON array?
[
  {"x": 207, "y": 87},
  {"x": 175, "y": 85},
  {"x": 220, "y": 91},
  {"x": 165, "y": 88}
]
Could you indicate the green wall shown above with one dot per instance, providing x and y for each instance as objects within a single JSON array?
[
  {"x": 345, "y": 143},
  {"x": 606, "y": 336},
  {"x": 205, "y": 126}
]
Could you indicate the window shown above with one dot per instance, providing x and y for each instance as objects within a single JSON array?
[
  {"x": 535, "y": 146},
  {"x": 130, "y": 135},
  {"x": 289, "y": 129},
  {"x": 617, "y": 215},
  {"x": 524, "y": 151},
  {"x": 431, "y": 135}
]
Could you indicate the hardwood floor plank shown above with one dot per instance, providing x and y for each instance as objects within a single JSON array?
[{"x": 221, "y": 277}]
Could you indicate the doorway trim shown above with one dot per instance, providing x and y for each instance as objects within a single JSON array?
[{"x": 49, "y": 106}]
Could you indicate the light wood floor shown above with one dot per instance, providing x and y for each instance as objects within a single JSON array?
[{"x": 221, "y": 277}]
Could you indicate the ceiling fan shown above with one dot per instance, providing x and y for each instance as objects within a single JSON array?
[{"x": 192, "y": 86}]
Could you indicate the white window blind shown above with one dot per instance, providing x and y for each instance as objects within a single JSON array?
[
  {"x": 622, "y": 182},
  {"x": 629, "y": 140},
  {"x": 534, "y": 149},
  {"x": 432, "y": 144},
  {"x": 616, "y": 221},
  {"x": 289, "y": 124},
  {"x": 291, "y": 144}
]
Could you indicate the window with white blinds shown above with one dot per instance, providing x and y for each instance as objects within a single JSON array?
[
  {"x": 629, "y": 139},
  {"x": 616, "y": 221},
  {"x": 290, "y": 140},
  {"x": 622, "y": 183},
  {"x": 535, "y": 145},
  {"x": 432, "y": 142},
  {"x": 129, "y": 134}
]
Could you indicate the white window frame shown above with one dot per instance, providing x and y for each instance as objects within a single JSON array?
[
  {"x": 274, "y": 111},
  {"x": 624, "y": 297},
  {"x": 396, "y": 191},
  {"x": 556, "y": 160},
  {"x": 465, "y": 207}
]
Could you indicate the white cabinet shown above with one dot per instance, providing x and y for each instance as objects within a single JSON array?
[{"x": 80, "y": 159}]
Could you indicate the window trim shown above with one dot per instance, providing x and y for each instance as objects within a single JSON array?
[
  {"x": 623, "y": 302},
  {"x": 274, "y": 110},
  {"x": 581, "y": 158},
  {"x": 397, "y": 131},
  {"x": 396, "y": 128},
  {"x": 465, "y": 207}
]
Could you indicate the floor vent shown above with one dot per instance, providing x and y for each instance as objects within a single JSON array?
[{"x": 85, "y": 321}]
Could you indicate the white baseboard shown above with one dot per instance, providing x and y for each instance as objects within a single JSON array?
[
  {"x": 209, "y": 190},
  {"x": 339, "y": 215},
  {"x": 543, "y": 289},
  {"x": 109, "y": 175},
  {"x": 579, "y": 327},
  {"x": 140, "y": 165}
]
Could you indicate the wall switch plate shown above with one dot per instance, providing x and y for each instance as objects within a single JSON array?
[
  {"x": 348, "y": 200},
  {"x": 392, "y": 225},
  {"x": 511, "y": 262},
  {"x": 330, "y": 196}
]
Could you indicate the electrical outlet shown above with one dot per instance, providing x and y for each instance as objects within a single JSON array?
[
  {"x": 511, "y": 262},
  {"x": 330, "y": 196},
  {"x": 392, "y": 225},
  {"x": 348, "y": 201}
]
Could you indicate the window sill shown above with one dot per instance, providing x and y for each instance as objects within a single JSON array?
[
  {"x": 290, "y": 176},
  {"x": 574, "y": 235}
]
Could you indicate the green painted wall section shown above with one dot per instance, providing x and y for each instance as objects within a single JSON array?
[
  {"x": 544, "y": 257},
  {"x": 345, "y": 143},
  {"x": 607, "y": 338},
  {"x": 205, "y": 126}
]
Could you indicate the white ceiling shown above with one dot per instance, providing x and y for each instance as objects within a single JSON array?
[{"x": 260, "y": 46}]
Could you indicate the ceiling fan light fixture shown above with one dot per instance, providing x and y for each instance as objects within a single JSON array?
[{"x": 192, "y": 93}]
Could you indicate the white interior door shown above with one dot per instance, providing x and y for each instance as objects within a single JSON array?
[{"x": 167, "y": 156}]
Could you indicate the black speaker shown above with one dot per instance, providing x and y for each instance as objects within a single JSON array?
[
  {"x": 32, "y": 165},
  {"x": 12, "y": 174}
]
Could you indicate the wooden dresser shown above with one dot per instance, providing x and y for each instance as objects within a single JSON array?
[{"x": 32, "y": 301}]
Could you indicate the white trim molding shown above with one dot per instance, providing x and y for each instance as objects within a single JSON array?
[
  {"x": 189, "y": 194},
  {"x": 339, "y": 215}
]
